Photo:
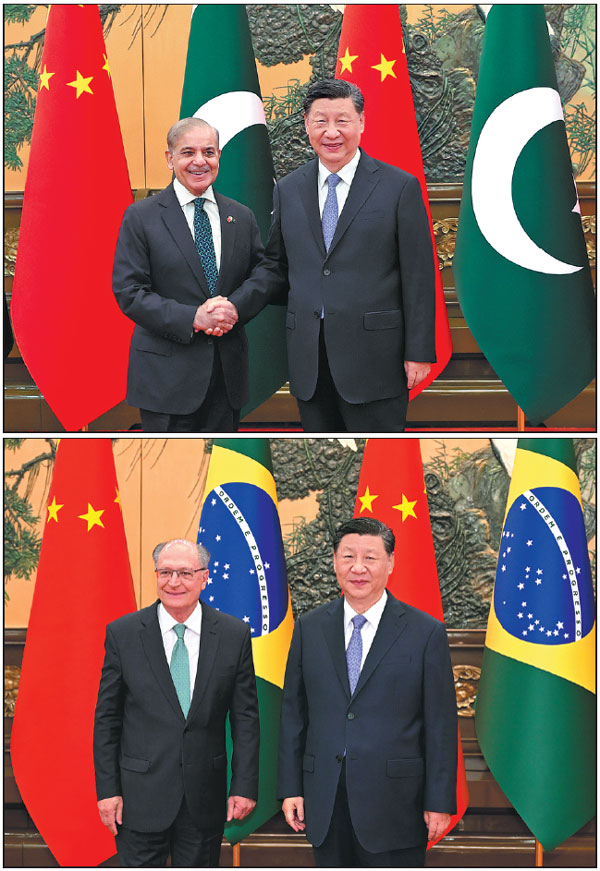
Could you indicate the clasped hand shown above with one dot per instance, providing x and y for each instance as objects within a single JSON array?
[{"x": 216, "y": 316}]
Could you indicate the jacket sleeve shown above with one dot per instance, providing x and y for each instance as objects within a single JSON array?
[
  {"x": 417, "y": 269},
  {"x": 133, "y": 288},
  {"x": 440, "y": 724},
  {"x": 294, "y": 722},
  {"x": 268, "y": 282},
  {"x": 108, "y": 722},
  {"x": 245, "y": 726}
]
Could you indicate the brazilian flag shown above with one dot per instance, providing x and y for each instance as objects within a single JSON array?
[
  {"x": 240, "y": 527},
  {"x": 536, "y": 706},
  {"x": 221, "y": 86}
]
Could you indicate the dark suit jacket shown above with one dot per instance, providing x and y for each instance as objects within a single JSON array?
[
  {"x": 159, "y": 283},
  {"x": 376, "y": 283},
  {"x": 147, "y": 751},
  {"x": 399, "y": 728}
]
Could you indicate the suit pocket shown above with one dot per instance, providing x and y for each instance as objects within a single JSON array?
[
  {"x": 290, "y": 320},
  {"x": 405, "y": 767},
  {"x": 152, "y": 344},
  {"x": 390, "y": 320},
  {"x": 308, "y": 763},
  {"x": 130, "y": 763},
  {"x": 219, "y": 762}
]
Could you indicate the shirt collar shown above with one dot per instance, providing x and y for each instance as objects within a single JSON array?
[
  {"x": 166, "y": 622},
  {"x": 346, "y": 173},
  {"x": 184, "y": 196},
  {"x": 373, "y": 614}
]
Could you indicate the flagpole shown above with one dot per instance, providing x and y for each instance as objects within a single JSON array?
[
  {"x": 539, "y": 854},
  {"x": 520, "y": 419},
  {"x": 236, "y": 855}
]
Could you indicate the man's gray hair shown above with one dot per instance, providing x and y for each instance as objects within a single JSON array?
[
  {"x": 182, "y": 126},
  {"x": 203, "y": 554}
]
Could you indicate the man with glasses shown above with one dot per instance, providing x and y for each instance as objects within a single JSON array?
[{"x": 171, "y": 675}]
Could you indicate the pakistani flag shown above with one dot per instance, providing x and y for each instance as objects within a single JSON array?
[
  {"x": 521, "y": 268},
  {"x": 240, "y": 527},
  {"x": 536, "y": 706},
  {"x": 221, "y": 87}
]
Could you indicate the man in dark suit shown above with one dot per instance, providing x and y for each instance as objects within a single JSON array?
[
  {"x": 351, "y": 249},
  {"x": 368, "y": 737},
  {"x": 176, "y": 251},
  {"x": 172, "y": 673}
]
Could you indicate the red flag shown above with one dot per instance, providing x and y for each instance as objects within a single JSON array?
[
  {"x": 72, "y": 335},
  {"x": 372, "y": 56},
  {"x": 83, "y": 582},
  {"x": 392, "y": 489}
]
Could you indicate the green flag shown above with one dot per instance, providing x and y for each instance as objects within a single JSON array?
[
  {"x": 536, "y": 705},
  {"x": 221, "y": 86},
  {"x": 240, "y": 527},
  {"x": 521, "y": 268}
]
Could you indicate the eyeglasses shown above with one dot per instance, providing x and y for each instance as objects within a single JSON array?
[{"x": 184, "y": 574}]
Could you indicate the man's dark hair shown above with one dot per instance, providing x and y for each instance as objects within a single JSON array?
[
  {"x": 334, "y": 89},
  {"x": 365, "y": 526}
]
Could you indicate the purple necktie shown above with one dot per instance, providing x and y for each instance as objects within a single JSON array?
[
  {"x": 354, "y": 651},
  {"x": 329, "y": 218}
]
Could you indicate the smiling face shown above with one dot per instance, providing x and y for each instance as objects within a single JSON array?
[
  {"x": 195, "y": 158},
  {"x": 334, "y": 128},
  {"x": 362, "y": 568},
  {"x": 180, "y": 595}
]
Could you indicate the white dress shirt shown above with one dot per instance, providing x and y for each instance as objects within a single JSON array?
[
  {"x": 346, "y": 174},
  {"x": 373, "y": 616},
  {"x": 186, "y": 201},
  {"x": 191, "y": 637}
]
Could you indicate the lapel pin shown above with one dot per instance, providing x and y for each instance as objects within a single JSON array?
[{"x": 230, "y": 219}]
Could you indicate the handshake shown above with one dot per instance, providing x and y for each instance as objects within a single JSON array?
[{"x": 216, "y": 316}]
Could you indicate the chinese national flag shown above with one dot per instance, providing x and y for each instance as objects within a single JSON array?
[
  {"x": 83, "y": 582},
  {"x": 73, "y": 337},
  {"x": 392, "y": 489},
  {"x": 371, "y": 55}
]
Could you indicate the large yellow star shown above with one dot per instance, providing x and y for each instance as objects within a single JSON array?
[
  {"x": 106, "y": 65},
  {"x": 347, "y": 61},
  {"x": 386, "y": 68},
  {"x": 367, "y": 501},
  {"x": 81, "y": 84},
  {"x": 407, "y": 508},
  {"x": 53, "y": 510},
  {"x": 92, "y": 517},
  {"x": 45, "y": 77}
]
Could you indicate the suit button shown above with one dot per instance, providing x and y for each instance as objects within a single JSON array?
[
  {"x": 327, "y": 272},
  {"x": 339, "y": 758},
  {"x": 210, "y": 341},
  {"x": 317, "y": 315},
  {"x": 351, "y": 716}
]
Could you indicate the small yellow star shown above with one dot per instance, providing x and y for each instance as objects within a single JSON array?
[
  {"x": 81, "y": 84},
  {"x": 118, "y": 499},
  {"x": 45, "y": 77},
  {"x": 367, "y": 501},
  {"x": 385, "y": 67},
  {"x": 92, "y": 517},
  {"x": 407, "y": 508},
  {"x": 347, "y": 61},
  {"x": 53, "y": 510},
  {"x": 106, "y": 65}
]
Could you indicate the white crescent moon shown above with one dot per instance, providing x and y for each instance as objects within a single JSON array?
[
  {"x": 503, "y": 137},
  {"x": 231, "y": 113}
]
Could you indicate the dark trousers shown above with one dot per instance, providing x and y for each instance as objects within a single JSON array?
[
  {"x": 342, "y": 849},
  {"x": 186, "y": 844},
  {"x": 214, "y": 415},
  {"x": 326, "y": 411}
]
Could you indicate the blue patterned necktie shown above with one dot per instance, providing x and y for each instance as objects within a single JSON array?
[
  {"x": 354, "y": 651},
  {"x": 180, "y": 669},
  {"x": 329, "y": 218},
  {"x": 204, "y": 243}
]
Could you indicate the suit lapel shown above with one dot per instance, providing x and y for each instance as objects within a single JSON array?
[
  {"x": 309, "y": 194},
  {"x": 174, "y": 220},
  {"x": 209, "y": 642},
  {"x": 155, "y": 653},
  {"x": 391, "y": 626},
  {"x": 365, "y": 179},
  {"x": 228, "y": 234},
  {"x": 333, "y": 629}
]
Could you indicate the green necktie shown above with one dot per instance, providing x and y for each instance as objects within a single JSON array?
[{"x": 180, "y": 669}]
